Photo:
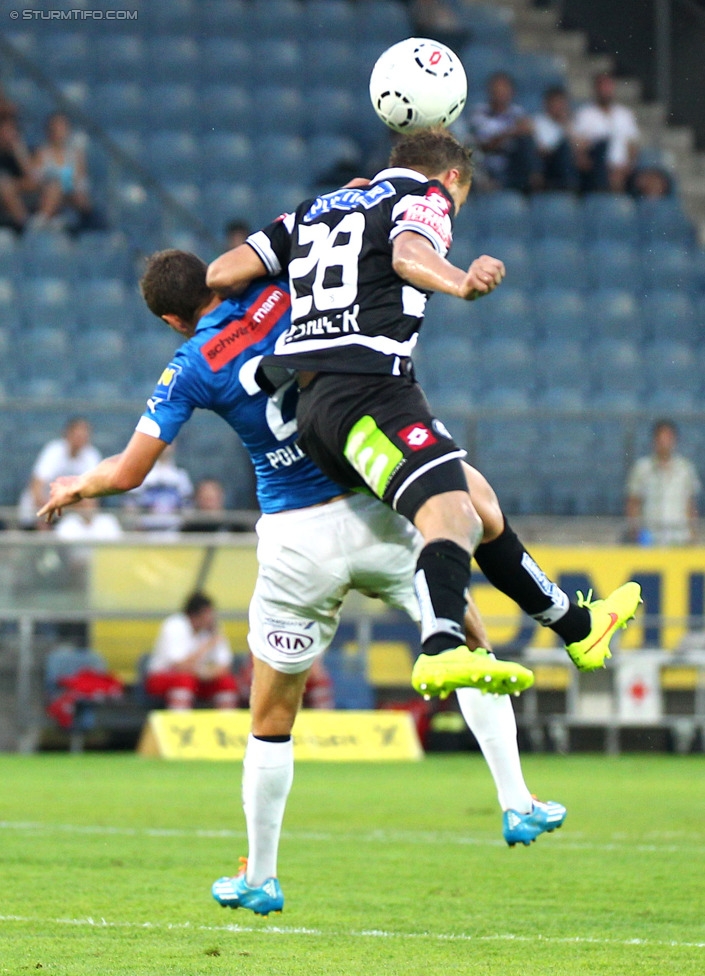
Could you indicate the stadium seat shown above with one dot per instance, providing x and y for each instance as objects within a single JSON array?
[
  {"x": 277, "y": 197},
  {"x": 558, "y": 261},
  {"x": 172, "y": 155},
  {"x": 224, "y": 18},
  {"x": 615, "y": 366},
  {"x": 615, "y": 313},
  {"x": 46, "y": 254},
  {"x": 386, "y": 20},
  {"x": 612, "y": 264},
  {"x": 670, "y": 314},
  {"x": 446, "y": 316},
  {"x": 506, "y": 362},
  {"x": 62, "y": 52},
  {"x": 223, "y": 201},
  {"x": 556, "y": 215},
  {"x": 331, "y": 64},
  {"x": 663, "y": 220},
  {"x": 175, "y": 17},
  {"x": 117, "y": 104},
  {"x": 125, "y": 53},
  {"x": 561, "y": 313},
  {"x": 43, "y": 351},
  {"x": 480, "y": 61},
  {"x": 514, "y": 254},
  {"x": 9, "y": 253},
  {"x": 503, "y": 213},
  {"x": 151, "y": 350},
  {"x": 610, "y": 216},
  {"x": 173, "y": 105},
  {"x": 335, "y": 112},
  {"x": 225, "y": 61},
  {"x": 276, "y": 62},
  {"x": 506, "y": 312},
  {"x": 170, "y": 58},
  {"x": 225, "y": 110},
  {"x": 278, "y": 19},
  {"x": 225, "y": 156},
  {"x": 560, "y": 363},
  {"x": 45, "y": 296},
  {"x": 282, "y": 159},
  {"x": 100, "y": 354},
  {"x": 488, "y": 25},
  {"x": 101, "y": 254},
  {"x": 449, "y": 365},
  {"x": 669, "y": 364},
  {"x": 534, "y": 71},
  {"x": 282, "y": 110},
  {"x": 329, "y": 21},
  {"x": 665, "y": 264},
  {"x": 329, "y": 156}
]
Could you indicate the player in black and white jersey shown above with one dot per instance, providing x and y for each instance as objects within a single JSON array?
[{"x": 362, "y": 262}]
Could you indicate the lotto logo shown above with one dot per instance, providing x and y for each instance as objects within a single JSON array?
[{"x": 417, "y": 436}]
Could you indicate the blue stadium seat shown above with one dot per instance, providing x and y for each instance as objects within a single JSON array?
[
  {"x": 279, "y": 19},
  {"x": 117, "y": 104},
  {"x": 225, "y": 61},
  {"x": 326, "y": 153},
  {"x": 556, "y": 215},
  {"x": 277, "y": 62},
  {"x": 175, "y": 17},
  {"x": 557, "y": 261},
  {"x": 562, "y": 399},
  {"x": 333, "y": 63},
  {"x": 46, "y": 254},
  {"x": 504, "y": 213},
  {"x": 169, "y": 57},
  {"x": 329, "y": 21},
  {"x": 172, "y": 155},
  {"x": 673, "y": 402},
  {"x": 277, "y": 197},
  {"x": 334, "y": 112},
  {"x": 480, "y": 61},
  {"x": 449, "y": 365},
  {"x": 187, "y": 195},
  {"x": 9, "y": 254},
  {"x": 515, "y": 256},
  {"x": 173, "y": 105},
  {"x": 62, "y": 52},
  {"x": 128, "y": 141},
  {"x": 669, "y": 364},
  {"x": 565, "y": 446},
  {"x": 610, "y": 216},
  {"x": 489, "y": 25},
  {"x": 386, "y": 20},
  {"x": 45, "y": 296},
  {"x": 507, "y": 363},
  {"x": 225, "y": 110},
  {"x": 561, "y": 313},
  {"x": 506, "y": 399},
  {"x": 613, "y": 264},
  {"x": 506, "y": 312},
  {"x": 44, "y": 351},
  {"x": 663, "y": 220},
  {"x": 560, "y": 363},
  {"x": 125, "y": 53},
  {"x": 150, "y": 351},
  {"x": 100, "y": 355},
  {"x": 223, "y": 201},
  {"x": 615, "y": 366},
  {"x": 670, "y": 314},
  {"x": 282, "y": 159},
  {"x": 282, "y": 110},
  {"x": 224, "y": 18},
  {"x": 226, "y": 156},
  {"x": 101, "y": 254},
  {"x": 665, "y": 264},
  {"x": 534, "y": 72},
  {"x": 446, "y": 316},
  {"x": 615, "y": 313}
]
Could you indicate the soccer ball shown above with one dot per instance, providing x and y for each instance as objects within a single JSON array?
[{"x": 416, "y": 84}]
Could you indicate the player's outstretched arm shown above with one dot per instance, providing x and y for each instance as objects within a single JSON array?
[
  {"x": 416, "y": 260},
  {"x": 233, "y": 271},
  {"x": 113, "y": 476}
]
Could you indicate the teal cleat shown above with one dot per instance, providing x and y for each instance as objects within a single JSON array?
[
  {"x": 523, "y": 828},
  {"x": 236, "y": 893}
]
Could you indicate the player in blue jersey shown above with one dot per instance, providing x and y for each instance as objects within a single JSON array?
[{"x": 315, "y": 543}]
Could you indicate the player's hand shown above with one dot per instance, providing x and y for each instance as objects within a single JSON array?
[
  {"x": 64, "y": 492},
  {"x": 484, "y": 274}
]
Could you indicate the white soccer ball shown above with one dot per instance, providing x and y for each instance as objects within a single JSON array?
[{"x": 418, "y": 83}]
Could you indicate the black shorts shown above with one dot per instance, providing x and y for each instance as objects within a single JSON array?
[{"x": 379, "y": 432}]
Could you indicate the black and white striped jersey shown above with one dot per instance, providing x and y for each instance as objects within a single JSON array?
[{"x": 350, "y": 311}]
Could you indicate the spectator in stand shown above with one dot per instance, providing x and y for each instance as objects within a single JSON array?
[
  {"x": 192, "y": 659},
  {"x": 18, "y": 184},
  {"x": 504, "y": 133},
  {"x": 209, "y": 508},
  {"x": 70, "y": 454},
  {"x": 610, "y": 137},
  {"x": 651, "y": 183},
  {"x": 86, "y": 523},
  {"x": 437, "y": 19},
  {"x": 236, "y": 233},
  {"x": 60, "y": 167},
  {"x": 661, "y": 493},
  {"x": 556, "y": 141},
  {"x": 318, "y": 690},
  {"x": 163, "y": 495}
]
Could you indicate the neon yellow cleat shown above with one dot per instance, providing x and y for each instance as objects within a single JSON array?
[
  {"x": 607, "y": 617},
  {"x": 439, "y": 674}
]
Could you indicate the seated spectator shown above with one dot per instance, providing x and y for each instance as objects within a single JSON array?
[
  {"x": 438, "y": 20},
  {"x": 556, "y": 142},
  {"x": 192, "y": 659},
  {"x": 236, "y": 233},
  {"x": 163, "y": 496},
  {"x": 71, "y": 454},
  {"x": 18, "y": 184},
  {"x": 86, "y": 522},
  {"x": 610, "y": 137},
  {"x": 651, "y": 183},
  {"x": 60, "y": 168},
  {"x": 209, "y": 506},
  {"x": 504, "y": 133}
]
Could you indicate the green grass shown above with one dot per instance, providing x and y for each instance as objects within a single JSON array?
[{"x": 389, "y": 870}]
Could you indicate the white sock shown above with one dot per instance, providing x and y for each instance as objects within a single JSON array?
[
  {"x": 268, "y": 772},
  {"x": 491, "y": 720}
]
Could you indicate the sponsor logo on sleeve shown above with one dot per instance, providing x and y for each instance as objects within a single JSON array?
[
  {"x": 257, "y": 322},
  {"x": 432, "y": 212},
  {"x": 417, "y": 436},
  {"x": 165, "y": 386}
]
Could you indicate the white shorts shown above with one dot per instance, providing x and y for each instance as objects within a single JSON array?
[{"x": 309, "y": 559}]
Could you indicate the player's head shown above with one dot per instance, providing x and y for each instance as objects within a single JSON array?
[
  {"x": 174, "y": 287},
  {"x": 438, "y": 155}
]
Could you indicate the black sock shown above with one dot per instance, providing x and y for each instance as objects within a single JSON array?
[
  {"x": 271, "y": 738},
  {"x": 510, "y": 569},
  {"x": 441, "y": 582}
]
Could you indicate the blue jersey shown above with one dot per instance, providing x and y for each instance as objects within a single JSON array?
[{"x": 215, "y": 370}]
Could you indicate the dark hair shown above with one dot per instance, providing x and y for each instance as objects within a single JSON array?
[
  {"x": 664, "y": 423},
  {"x": 196, "y": 602},
  {"x": 174, "y": 283},
  {"x": 234, "y": 225},
  {"x": 433, "y": 151},
  {"x": 553, "y": 91}
]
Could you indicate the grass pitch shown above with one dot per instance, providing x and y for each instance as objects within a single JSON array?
[{"x": 387, "y": 870}]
